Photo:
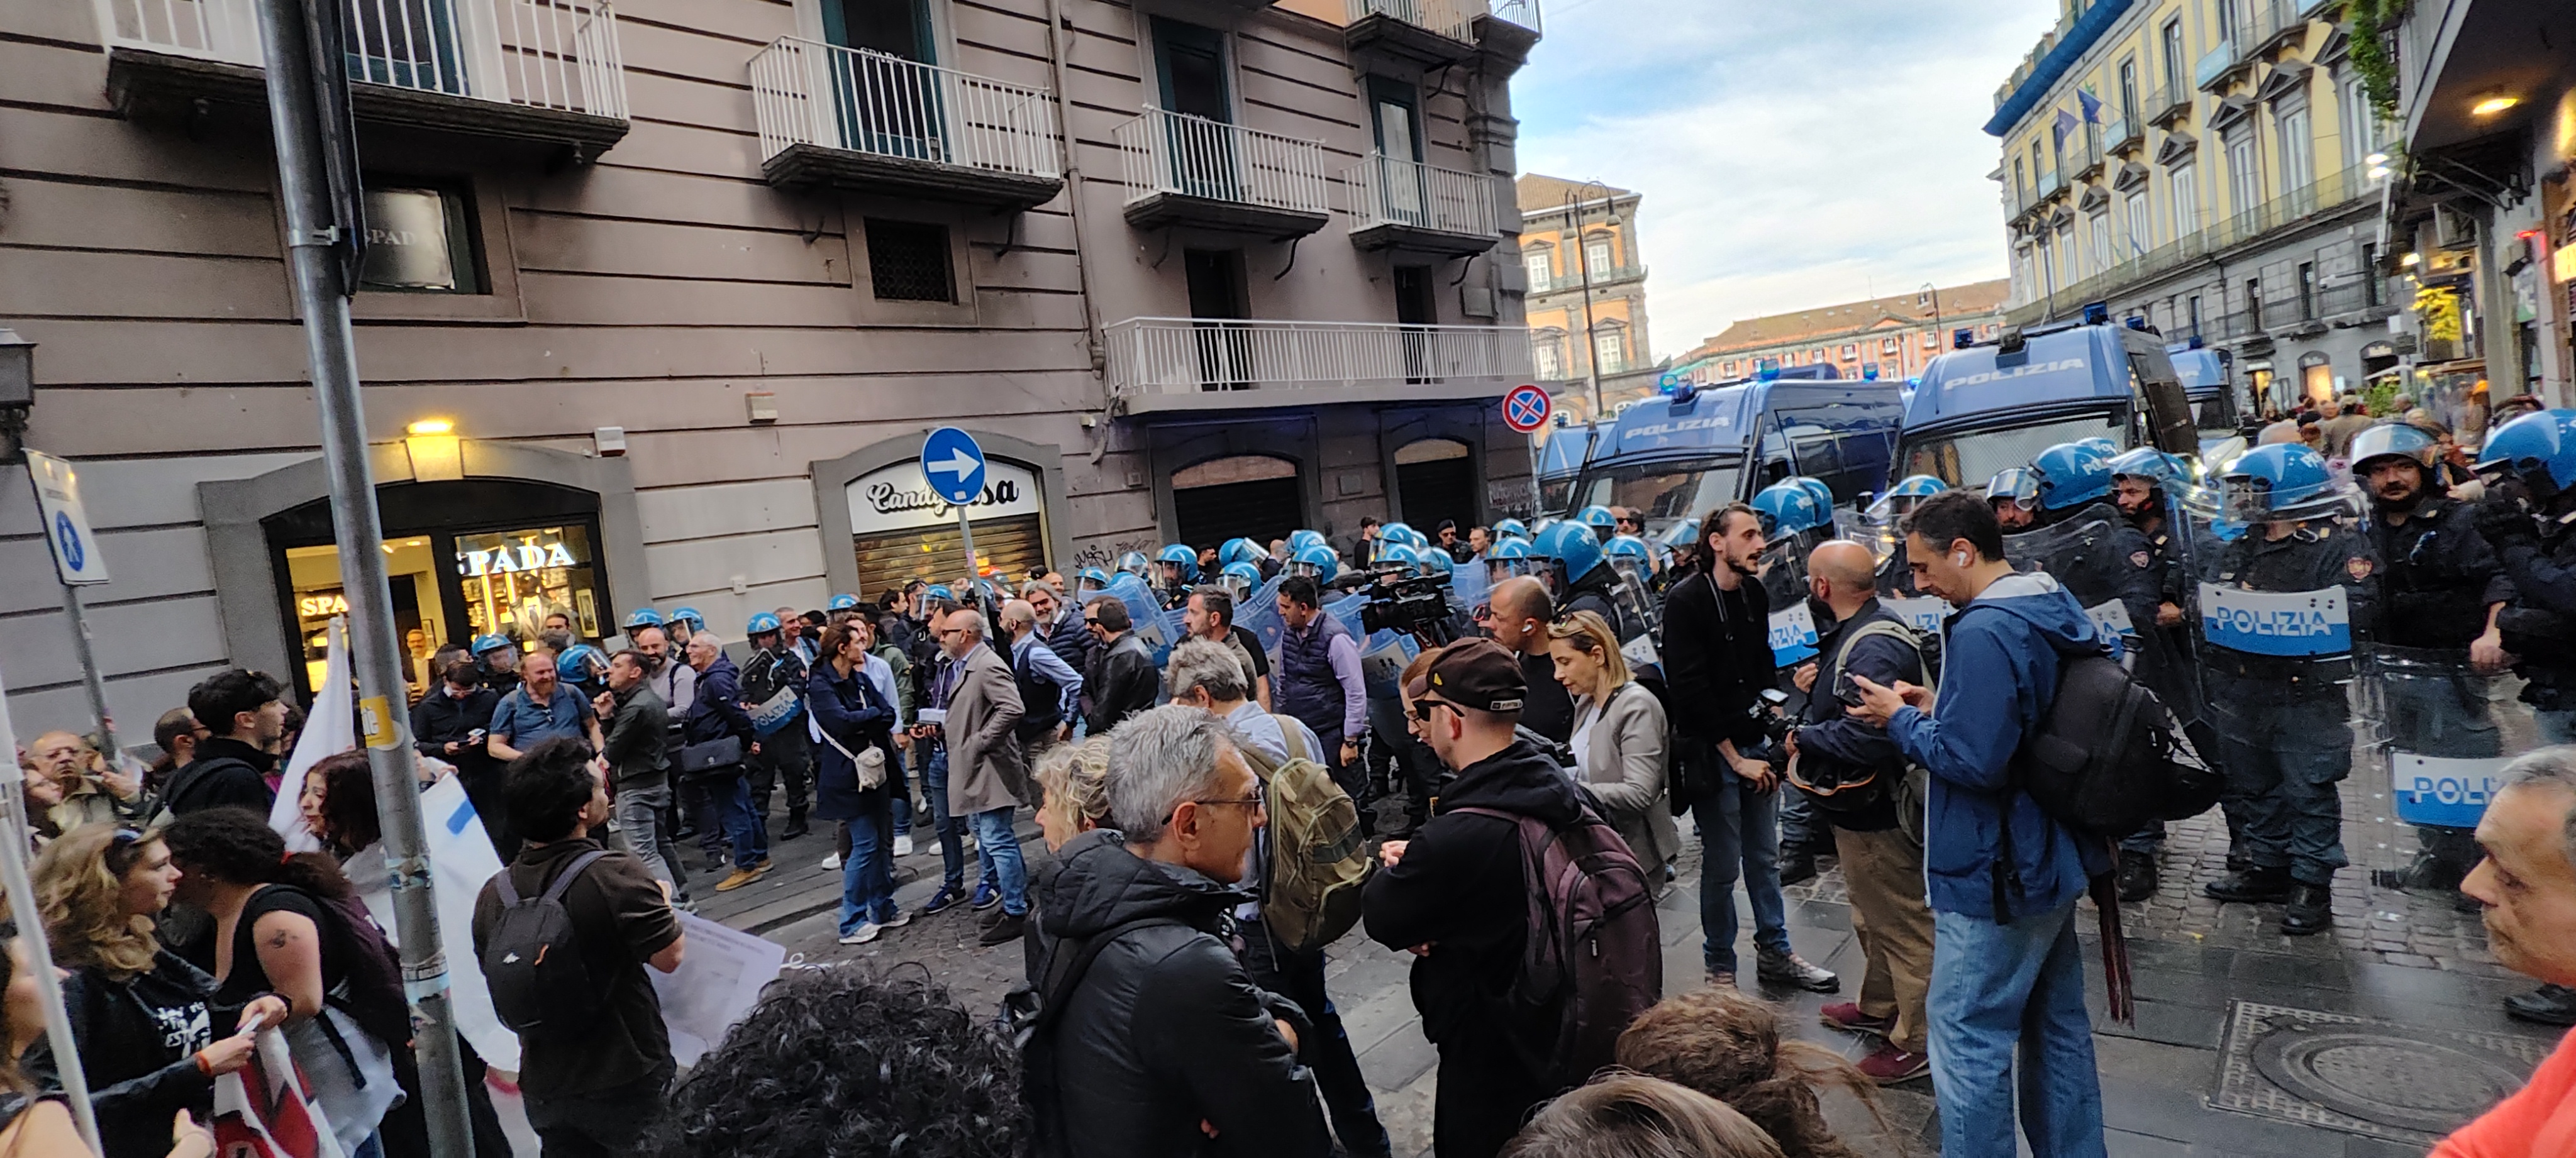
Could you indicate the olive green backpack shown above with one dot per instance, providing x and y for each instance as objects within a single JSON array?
[{"x": 1310, "y": 892}]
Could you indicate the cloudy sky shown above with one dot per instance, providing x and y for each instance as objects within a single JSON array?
[{"x": 1791, "y": 154}]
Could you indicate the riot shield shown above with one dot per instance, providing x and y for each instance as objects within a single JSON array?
[
  {"x": 2084, "y": 555},
  {"x": 1636, "y": 599},
  {"x": 2446, "y": 732}
]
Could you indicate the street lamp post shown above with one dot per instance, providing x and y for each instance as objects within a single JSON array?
[
  {"x": 1937, "y": 336},
  {"x": 1583, "y": 261}
]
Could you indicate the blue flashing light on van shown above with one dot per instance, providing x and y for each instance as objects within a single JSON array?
[{"x": 1991, "y": 406}]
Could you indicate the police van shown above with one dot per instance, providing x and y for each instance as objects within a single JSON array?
[
  {"x": 1560, "y": 463},
  {"x": 1679, "y": 456},
  {"x": 2203, "y": 373},
  {"x": 1988, "y": 406}
]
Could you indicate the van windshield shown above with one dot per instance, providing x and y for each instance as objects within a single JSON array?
[
  {"x": 1665, "y": 493},
  {"x": 1968, "y": 458}
]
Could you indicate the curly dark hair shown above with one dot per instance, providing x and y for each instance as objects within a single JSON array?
[
  {"x": 237, "y": 846},
  {"x": 851, "y": 1064},
  {"x": 548, "y": 786},
  {"x": 348, "y": 800},
  {"x": 1727, "y": 1044}
]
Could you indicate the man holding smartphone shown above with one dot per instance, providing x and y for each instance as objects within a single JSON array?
[{"x": 1855, "y": 776}]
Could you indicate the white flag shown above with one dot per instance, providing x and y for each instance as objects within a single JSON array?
[{"x": 330, "y": 728}]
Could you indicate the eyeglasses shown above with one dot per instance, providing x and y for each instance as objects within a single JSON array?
[
  {"x": 1254, "y": 801},
  {"x": 1422, "y": 708}
]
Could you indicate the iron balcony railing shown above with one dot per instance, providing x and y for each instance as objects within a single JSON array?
[
  {"x": 1520, "y": 12},
  {"x": 2051, "y": 183},
  {"x": 1573, "y": 279},
  {"x": 547, "y": 54},
  {"x": 2275, "y": 21},
  {"x": 2122, "y": 132},
  {"x": 1388, "y": 191},
  {"x": 2168, "y": 100},
  {"x": 2332, "y": 191},
  {"x": 1454, "y": 19},
  {"x": 1191, "y": 355},
  {"x": 1167, "y": 152},
  {"x": 805, "y": 92}
]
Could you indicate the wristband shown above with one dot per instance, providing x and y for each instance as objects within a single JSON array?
[{"x": 199, "y": 1057}]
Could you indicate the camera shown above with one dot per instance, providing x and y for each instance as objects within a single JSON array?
[
  {"x": 1418, "y": 606},
  {"x": 1770, "y": 713}
]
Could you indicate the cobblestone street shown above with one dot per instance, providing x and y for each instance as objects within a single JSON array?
[{"x": 2212, "y": 981}]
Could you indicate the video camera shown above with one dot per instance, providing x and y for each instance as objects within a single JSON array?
[
  {"x": 1770, "y": 712},
  {"x": 1418, "y": 606}
]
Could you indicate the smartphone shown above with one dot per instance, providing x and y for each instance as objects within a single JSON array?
[{"x": 1846, "y": 690}]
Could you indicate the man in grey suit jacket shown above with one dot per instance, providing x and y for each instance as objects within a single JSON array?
[{"x": 985, "y": 767}]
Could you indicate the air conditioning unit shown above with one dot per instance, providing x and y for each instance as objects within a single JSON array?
[{"x": 2453, "y": 229}]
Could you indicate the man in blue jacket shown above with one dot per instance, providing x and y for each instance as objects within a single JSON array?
[{"x": 2001, "y": 877}]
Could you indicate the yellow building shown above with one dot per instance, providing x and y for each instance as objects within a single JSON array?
[
  {"x": 2211, "y": 167},
  {"x": 1554, "y": 214},
  {"x": 1889, "y": 338}
]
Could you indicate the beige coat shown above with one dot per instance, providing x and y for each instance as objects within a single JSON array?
[
  {"x": 1625, "y": 763},
  {"x": 986, "y": 768}
]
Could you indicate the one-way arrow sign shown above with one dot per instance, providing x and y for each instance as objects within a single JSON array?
[{"x": 953, "y": 465}]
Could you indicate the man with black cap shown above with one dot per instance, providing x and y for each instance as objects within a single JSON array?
[{"x": 1454, "y": 895}]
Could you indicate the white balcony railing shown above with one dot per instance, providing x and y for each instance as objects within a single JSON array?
[
  {"x": 1454, "y": 19},
  {"x": 1190, "y": 355},
  {"x": 1387, "y": 191},
  {"x": 809, "y": 93},
  {"x": 1166, "y": 152},
  {"x": 548, "y": 54},
  {"x": 1520, "y": 12}
]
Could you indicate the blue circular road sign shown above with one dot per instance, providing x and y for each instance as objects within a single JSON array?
[
  {"x": 75, "y": 553},
  {"x": 953, "y": 464},
  {"x": 1526, "y": 408}
]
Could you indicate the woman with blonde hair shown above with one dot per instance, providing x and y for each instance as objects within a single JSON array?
[
  {"x": 152, "y": 1037},
  {"x": 1634, "y": 1116},
  {"x": 1619, "y": 736},
  {"x": 1074, "y": 777}
]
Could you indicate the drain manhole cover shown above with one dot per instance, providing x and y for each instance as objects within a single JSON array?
[{"x": 2364, "y": 1076}]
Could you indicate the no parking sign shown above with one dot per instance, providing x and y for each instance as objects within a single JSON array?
[{"x": 1526, "y": 408}]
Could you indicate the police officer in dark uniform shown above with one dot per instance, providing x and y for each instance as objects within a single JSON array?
[
  {"x": 2142, "y": 484},
  {"x": 1585, "y": 580},
  {"x": 1887, "y": 516},
  {"x": 2441, "y": 588},
  {"x": 2074, "y": 488},
  {"x": 2529, "y": 517},
  {"x": 2285, "y": 733}
]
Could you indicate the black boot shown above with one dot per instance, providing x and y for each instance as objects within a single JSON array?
[
  {"x": 2251, "y": 886},
  {"x": 2137, "y": 879},
  {"x": 795, "y": 825},
  {"x": 2547, "y": 1005},
  {"x": 2311, "y": 909},
  {"x": 1797, "y": 866},
  {"x": 2238, "y": 862}
]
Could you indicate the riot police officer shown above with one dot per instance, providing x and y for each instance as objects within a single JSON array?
[
  {"x": 2073, "y": 490},
  {"x": 1796, "y": 517},
  {"x": 1585, "y": 580},
  {"x": 2142, "y": 485},
  {"x": 2441, "y": 588},
  {"x": 1887, "y": 517},
  {"x": 2014, "y": 495},
  {"x": 2531, "y": 462},
  {"x": 1176, "y": 570},
  {"x": 2277, "y": 677}
]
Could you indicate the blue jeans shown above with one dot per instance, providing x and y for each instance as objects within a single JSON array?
[
  {"x": 1998, "y": 989},
  {"x": 867, "y": 874},
  {"x": 741, "y": 825},
  {"x": 997, "y": 848},
  {"x": 951, "y": 829},
  {"x": 1740, "y": 832}
]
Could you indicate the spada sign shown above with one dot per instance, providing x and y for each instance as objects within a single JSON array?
[{"x": 512, "y": 560}]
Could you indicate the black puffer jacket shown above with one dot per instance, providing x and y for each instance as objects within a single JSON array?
[
  {"x": 1166, "y": 1029},
  {"x": 1458, "y": 888}
]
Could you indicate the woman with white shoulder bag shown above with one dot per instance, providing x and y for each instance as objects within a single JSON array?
[{"x": 853, "y": 768}]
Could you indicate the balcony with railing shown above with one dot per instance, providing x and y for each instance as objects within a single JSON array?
[
  {"x": 2167, "y": 105},
  {"x": 1430, "y": 33},
  {"x": 2051, "y": 183},
  {"x": 865, "y": 120},
  {"x": 2232, "y": 59},
  {"x": 2278, "y": 25},
  {"x": 1508, "y": 30},
  {"x": 1572, "y": 280},
  {"x": 544, "y": 71},
  {"x": 1201, "y": 364},
  {"x": 2085, "y": 154},
  {"x": 1420, "y": 208},
  {"x": 1188, "y": 170},
  {"x": 2123, "y": 135}
]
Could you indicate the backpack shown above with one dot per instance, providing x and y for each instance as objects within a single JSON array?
[
  {"x": 1594, "y": 948},
  {"x": 1827, "y": 785},
  {"x": 1318, "y": 862},
  {"x": 2103, "y": 758},
  {"x": 371, "y": 990},
  {"x": 538, "y": 980},
  {"x": 1030, "y": 1016}
]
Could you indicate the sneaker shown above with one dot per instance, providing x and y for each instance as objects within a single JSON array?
[
  {"x": 1797, "y": 868},
  {"x": 2137, "y": 879},
  {"x": 739, "y": 878},
  {"x": 867, "y": 931},
  {"x": 986, "y": 896},
  {"x": 1792, "y": 969},
  {"x": 940, "y": 902},
  {"x": 1888, "y": 1065},
  {"x": 1721, "y": 979},
  {"x": 897, "y": 921},
  {"x": 831, "y": 862},
  {"x": 903, "y": 844},
  {"x": 1847, "y": 1017},
  {"x": 1004, "y": 931}
]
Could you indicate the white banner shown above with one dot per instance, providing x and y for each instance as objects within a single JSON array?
[
  {"x": 717, "y": 983},
  {"x": 330, "y": 728}
]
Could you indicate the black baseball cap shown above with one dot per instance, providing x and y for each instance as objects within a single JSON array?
[{"x": 1473, "y": 673}]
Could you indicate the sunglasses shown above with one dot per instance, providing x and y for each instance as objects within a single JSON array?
[{"x": 1422, "y": 708}]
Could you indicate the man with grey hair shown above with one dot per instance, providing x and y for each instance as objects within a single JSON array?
[
  {"x": 1207, "y": 676},
  {"x": 987, "y": 772},
  {"x": 2527, "y": 884},
  {"x": 1164, "y": 1041},
  {"x": 1059, "y": 622}
]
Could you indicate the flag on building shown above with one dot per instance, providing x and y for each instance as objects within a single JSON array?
[
  {"x": 2066, "y": 123},
  {"x": 2092, "y": 106}
]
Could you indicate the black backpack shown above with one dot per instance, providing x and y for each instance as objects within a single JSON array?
[
  {"x": 2104, "y": 759},
  {"x": 532, "y": 961}
]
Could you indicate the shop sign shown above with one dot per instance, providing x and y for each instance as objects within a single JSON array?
[
  {"x": 899, "y": 498},
  {"x": 511, "y": 560},
  {"x": 321, "y": 605}
]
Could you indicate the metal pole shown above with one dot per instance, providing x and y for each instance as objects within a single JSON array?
[
  {"x": 323, "y": 303},
  {"x": 966, "y": 534},
  {"x": 1583, "y": 261},
  {"x": 89, "y": 675},
  {"x": 31, "y": 933}
]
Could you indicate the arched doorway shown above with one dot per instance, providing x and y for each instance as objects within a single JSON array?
[
  {"x": 1255, "y": 496},
  {"x": 1436, "y": 479}
]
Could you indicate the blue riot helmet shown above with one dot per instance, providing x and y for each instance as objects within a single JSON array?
[
  {"x": 1401, "y": 556},
  {"x": 1240, "y": 578},
  {"x": 2070, "y": 474},
  {"x": 2099, "y": 445},
  {"x": 1317, "y": 562},
  {"x": 1786, "y": 508},
  {"x": 1135, "y": 563},
  {"x": 1684, "y": 533},
  {"x": 842, "y": 603},
  {"x": 642, "y": 618},
  {"x": 1632, "y": 557},
  {"x": 939, "y": 591},
  {"x": 2391, "y": 440},
  {"x": 1511, "y": 529},
  {"x": 1240, "y": 550},
  {"x": 1091, "y": 579},
  {"x": 1182, "y": 561},
  {"x": 2536, "y": 447},
  {"x": 486, "y": 644},
  {"x": 1402, "y": 533},
  {"x": 583, "y": 665},
  {"x": 690, "y": 616},
  {"x": 1599, "y": 519},
  {"x": 1814, "y": 486},
  {"x": 2149, "y": 463},
  {"x": 1901, "y": 499},
  {"x": 1300, "y": 540},
  {"x": 1575, "y": 548},
  {"x": 1512, "y": 558},
  {"x": 1437, "y": 562},
  {"x": 763, "y": 623},
  {"x": 2278, "y": 483}
]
